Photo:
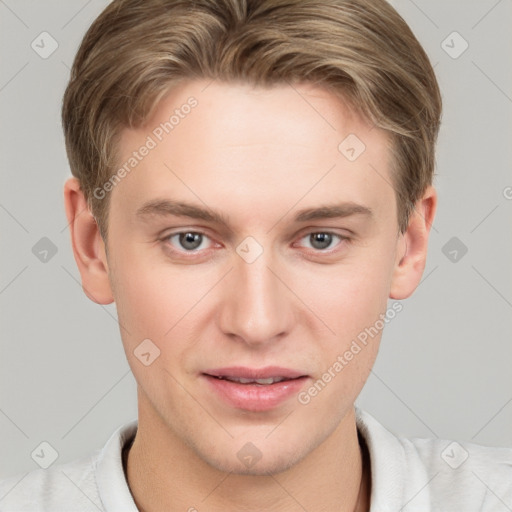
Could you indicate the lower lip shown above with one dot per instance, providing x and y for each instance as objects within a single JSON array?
[{"x": 255, "y": 397}]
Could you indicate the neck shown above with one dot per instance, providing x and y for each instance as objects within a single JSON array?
[{"x": 165, "y": 474}]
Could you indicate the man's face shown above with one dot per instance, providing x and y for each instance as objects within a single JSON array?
[{"x": 263, "y": 293}]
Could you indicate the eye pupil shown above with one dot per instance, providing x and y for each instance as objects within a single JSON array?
[
  {"x": 320, "y": 240},
  {"x": 190, "y": 240}
]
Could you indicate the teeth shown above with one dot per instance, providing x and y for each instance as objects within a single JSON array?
[
  {"x": 270, "y": 380},
  {"x": 242, "y": 380},
  {"x": 246, "y": 381}
]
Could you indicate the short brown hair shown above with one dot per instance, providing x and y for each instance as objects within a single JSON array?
[{"x": 360, "y": 49}]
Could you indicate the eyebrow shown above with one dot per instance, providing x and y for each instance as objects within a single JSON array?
[{"x": 167, "y": 207}]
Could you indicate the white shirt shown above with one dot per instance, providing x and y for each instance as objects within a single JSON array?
[{"x": 408, "y": 475}]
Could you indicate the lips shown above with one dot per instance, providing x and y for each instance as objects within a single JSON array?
[
  {"x": 262, "y": 382},
  {"x": 241, "y": 372},
  {"x": 254, "y": 389}
]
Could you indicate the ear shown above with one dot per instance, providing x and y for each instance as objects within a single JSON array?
[
  {"x": 88, "y": 245},
  {"x": 412, "y": 247}
]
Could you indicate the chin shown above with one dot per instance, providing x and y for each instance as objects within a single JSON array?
[
  {"x": 271, "y": 460},
  {"x": 271, "y": 466}
]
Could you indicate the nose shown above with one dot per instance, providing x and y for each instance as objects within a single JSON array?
[{"x": 257, "y": 308}]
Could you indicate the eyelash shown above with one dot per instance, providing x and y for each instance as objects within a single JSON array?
[{"x": 192, "y": 253}]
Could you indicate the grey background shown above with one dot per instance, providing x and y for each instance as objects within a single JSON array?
[{"x": 444, "y": 363}]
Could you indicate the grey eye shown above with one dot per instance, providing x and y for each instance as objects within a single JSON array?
[
  {"x": 320, "y": 240},
  {"x": 190, "y": 240}
]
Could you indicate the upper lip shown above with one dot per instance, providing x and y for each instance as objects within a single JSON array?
[{"x": 255, "y": 373}]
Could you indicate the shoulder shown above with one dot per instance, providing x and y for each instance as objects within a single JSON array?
[
  {"x": 436, "y": 474},
  {"x": 463, "y": 473},
  {"x": 50, "y": 489},
  {"x": 95, "y": 482}
]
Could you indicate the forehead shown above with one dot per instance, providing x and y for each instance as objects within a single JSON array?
[{"x": 234, "y": 145}]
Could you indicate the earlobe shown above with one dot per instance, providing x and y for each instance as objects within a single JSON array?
[
  {"x": 412, "y": 247},
  {"x": 87, "y": 243}
]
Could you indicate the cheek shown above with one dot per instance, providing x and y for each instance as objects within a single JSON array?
[
  {"x": 352, "y": 302},
  {"x": 161, "y": 303},
  {"x": 150, "y": 296},
  {"x": 351, "y": 297},
  {"x": 149, "y": 307},
  {"x": 351, "y": 306},
  {"x": 142, "y": 303}
]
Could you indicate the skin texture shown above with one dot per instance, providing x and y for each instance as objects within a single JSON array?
[{"x": 257, "y": 156}]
